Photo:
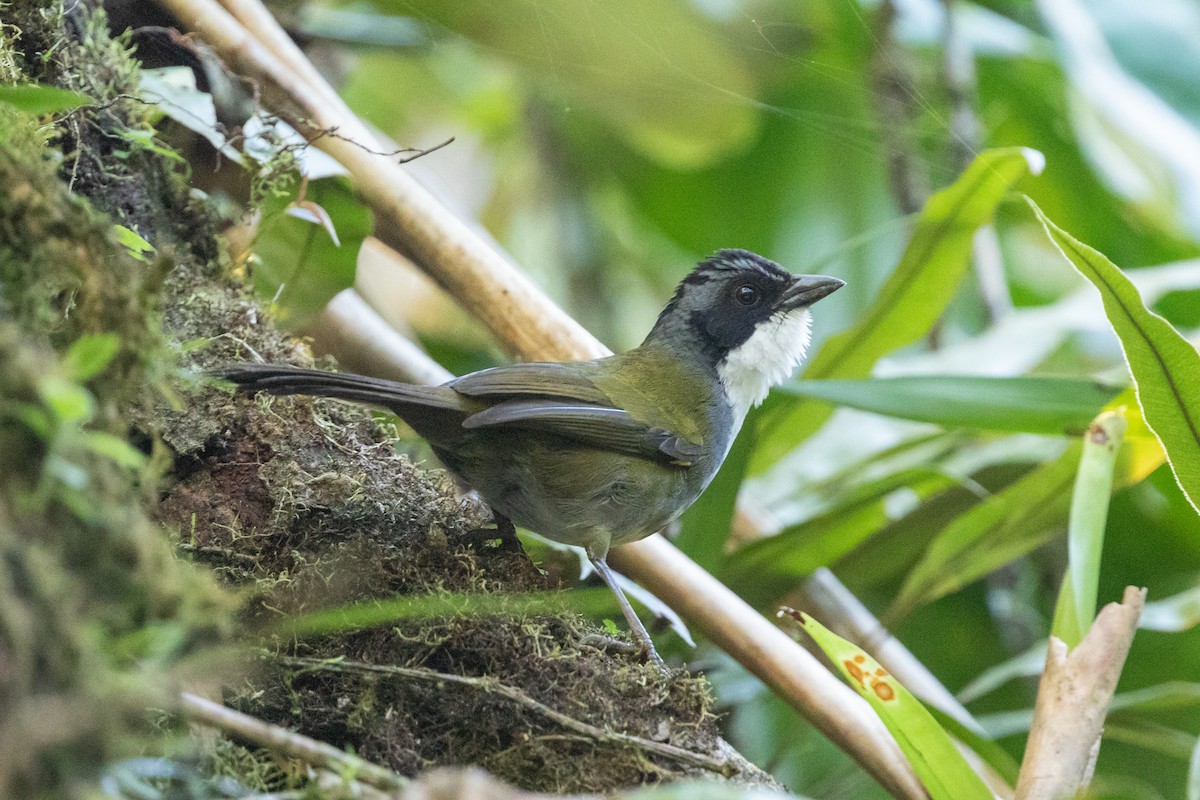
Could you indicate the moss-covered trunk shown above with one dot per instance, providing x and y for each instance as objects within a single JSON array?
[{"x": 293, "y": 505}]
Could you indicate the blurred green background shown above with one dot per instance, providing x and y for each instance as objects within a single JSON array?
[{"x": 609, "y": 144}]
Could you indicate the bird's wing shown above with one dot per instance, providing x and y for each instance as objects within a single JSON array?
[
  {"x": 550, "y": 379},
  {"x": 606, "y": 428}
]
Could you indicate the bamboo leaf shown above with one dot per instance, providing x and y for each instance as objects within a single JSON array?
[
  {"x": 991, "y": 534},
  {"x": 1085, "y": 530},
  {"x": 1020, "y": 518},
  {"x": 914, "y": 296},
  {"x": 1025, "y": 404},
  {"x": 935, "y": 759},
  {"x": 764, "y": 569},
  {"x": 1165, "y": 366}
]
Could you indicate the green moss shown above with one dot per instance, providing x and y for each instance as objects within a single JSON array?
[
  {"x": 96, "y": 612},
  {"x": 299, "y": 504}
]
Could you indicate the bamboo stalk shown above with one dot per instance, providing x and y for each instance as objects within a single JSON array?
[{"x": 292, "y": 744}]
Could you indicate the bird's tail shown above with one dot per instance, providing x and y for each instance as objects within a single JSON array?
[{"x": 426, "y": 408}]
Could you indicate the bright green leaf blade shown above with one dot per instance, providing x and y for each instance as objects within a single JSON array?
[
  {"x": 114, "y": 448},
  {"x": 35, "y": 99},
  {"x": 914, "y": 296},
  {"x": 1193, "y": 778},
  {"x": 1020, "y": 518},
  {"x": 991, "y": 752},
  {"x": 1174, "y": 614},
  {"x": 1085, "y": 528},
  {"x": 373, "y": 613},
  {"x": 1165, "y": 366},
  {"x": 90, "y": 354},
  {"x": 991, "y": 534},
  {"x": 134, "y": 244},
  {"x": 929, "y": 749},
  {"x": 1027, "y": 404},
  {"x": 69, "y": 401},
  {"x": 301, "y": 265},
  {"x": 765, "y": 569}
]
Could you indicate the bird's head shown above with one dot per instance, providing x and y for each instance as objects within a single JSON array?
[{"x": 744, "y": 316}]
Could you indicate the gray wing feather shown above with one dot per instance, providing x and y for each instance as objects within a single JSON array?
[
  {"x": 607, "y": 428},
  {"x": 549, "y": 379}
]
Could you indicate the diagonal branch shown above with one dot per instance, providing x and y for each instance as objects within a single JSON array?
[{"x": 289, "y": 743}]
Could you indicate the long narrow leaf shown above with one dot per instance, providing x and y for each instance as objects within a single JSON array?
[
  {"x": 1165, "y": 366},
  {"x": 767, "y": 568},
  {"x": 1085, "y": 530},
  {"x": 1022, "y": 517},
  {"x": 1026, "y": 404},
  {"x": 929, "y": 749},
  {"x": 991, "y": 534},
  {"x": 913, "y": 298}
]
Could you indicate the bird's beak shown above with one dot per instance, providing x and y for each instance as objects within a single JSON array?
[{"x": 808, "y": 289}]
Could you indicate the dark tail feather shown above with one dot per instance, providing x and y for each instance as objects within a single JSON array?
[{"x": 420, "y": 406}]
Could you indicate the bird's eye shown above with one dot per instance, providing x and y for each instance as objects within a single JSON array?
[{"x": 746, "y": 294}]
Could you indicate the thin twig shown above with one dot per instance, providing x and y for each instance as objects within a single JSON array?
[
  {"x": 490, "y": 685},
  {"x": 289, "y": 743}
]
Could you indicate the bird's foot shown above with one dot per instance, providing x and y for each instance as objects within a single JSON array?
[{"x": 503, "y": 531}]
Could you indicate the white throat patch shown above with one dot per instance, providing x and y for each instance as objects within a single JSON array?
[{"x": 764, "y": 360}]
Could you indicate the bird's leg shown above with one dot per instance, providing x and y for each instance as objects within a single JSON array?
[
  {"x": 507, "y": 532},
  {"x": 636, "y": 629},
  {"x": 503, "y": 530}
]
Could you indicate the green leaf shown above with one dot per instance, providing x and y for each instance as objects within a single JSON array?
[
  {"x": 307, "y": 257},
  {"x": 767, "y": 568},
  {"x": 1167, "y": 696},
  {"x": 115, "y": 449},
  {"x": 1020, "y": 518},
  {"x": 1085, "y": 529},
  {"x": 991, "y": 534},
  {"x": 90, "y": 354},
  {"x": 991, "y": 752},
  {"x": 1165, "y": 366},
  {"x": 1174, "y": 614},
  {"x": 134, "y": 245},
  {"x": 34, "y": 99},
  {"x": 930, "y": 750},
  {"x": 69, "y": 401},
  {"x": 1193, "y": 777},
  {"x": 1027, "y": 404},
  {"x": 914, "y": 296},
  {"x": 1026, "y": 664},
  {"x": 373, "y": 613}
]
